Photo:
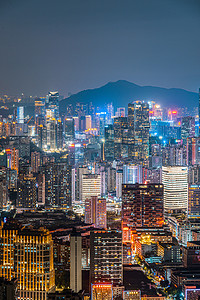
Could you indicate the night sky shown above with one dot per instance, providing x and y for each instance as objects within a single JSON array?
[{"x": 79, "y": 44}]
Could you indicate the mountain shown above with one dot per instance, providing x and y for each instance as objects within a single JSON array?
[{"x": 122, "y": 92}]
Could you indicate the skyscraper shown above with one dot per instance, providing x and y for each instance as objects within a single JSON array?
[
  {"x": 95, "y": 212},
  {"x": 27, "y": 255},
  {"x": 91, "y": 186},
  {"x": 75, "y": 262},
  {"x": 142, "y": 205},
  {"x": 106, "y": 257},
  {"x": 26, "y": 191},
  {"x": 52, "y": 105},
  {"x": 187, "y": 127},
  {"x": 194, "y": 201},
  {"x": 120, "y": 137},
  {"x": 175, "y": 182},
  {"x": 138, "y": 127}
]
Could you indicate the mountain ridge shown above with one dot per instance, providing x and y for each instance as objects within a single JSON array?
[{"x": 122, "y": 92}]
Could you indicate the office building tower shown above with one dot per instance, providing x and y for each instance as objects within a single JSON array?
[
  {"x": 193, "y": 151},
  {"x": 3, "y": 188},
  {"x": 142, "y": 205},
  {"x": 138, "y": 131},
  {"x": 42, "y": 137},
  {"x": 88, "y": 122},
  {"x": 52, "y": 105},
  {"x": 194, "y": 174},
  {"x": 35, "y": 161},
  {"x": 101, "y": 291},
  {"x": 95, "y": 212},
  {"x": 91, "y": 186},
  {"x": 13, "y": 159},
  {"x": 8, "y": 237},
  {"x": 33, "y": 263},
  {"x": 57, "y": 184},
  {"x": 109, "y": 143},
  {"x": 75, "y": 262},
  {"x": 69, "y": 129},
  {"x": 120, "y": 137},
  {"x": 40, "y": 107},
  {"x": 194, "y": 201},
  {"x": 187, "y": 127},
  {"x": 52, "y": 134},
  {"x": 59, "y": 135},
  {"x": 106, "y": 257},
  {"x": 20, "y": 115},
  {"x": 26, "y": 191},
  {"x": 41, "y": 189},
  {"x": 119, "y": 180},
  {"x": 80, "y": 171},
  {"x": 132, "y": 174},
  {"x": 120, "y": 112},
  {"x": 27, "y": 255},
  {"x": 175, "y": 182}
]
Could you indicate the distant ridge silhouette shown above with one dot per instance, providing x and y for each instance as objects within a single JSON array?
[{"x": 121, "y": 92}]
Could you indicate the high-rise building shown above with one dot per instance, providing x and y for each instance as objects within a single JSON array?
[
  {"x": 106, "y": 257},
  {"x": 20, "y": 115},
  {"x": 27, "y": 255},
  {"x": 194, "y": 201},
  {"x": 91, "y": 186},
  {"x": 187, "y": 127},
  {"x": 138, "y": 127},
  {"x": 57, "y": 184},
  {"x": 40, "y": 107},
  {"x": 33, "y": 263},
  {"x": 13, "y": 159},
  {"x": 42, "y": 137},
  {"x": 175, "y": 182},
  {"x": 193, "y": 151},
  {"x": 142, "y": 205},
  {"x": 26, "y": 191},
  {"x": 119, "y": 181},
  {"x": 52, "y": 105},
  {"x": 35, "y": 161},
  {"x": 69, "y": 129},
  {"x": 75, "y": 262},
  {"x": 109, "y": 143},
  {"x": 132, "y": 174},
  {"x": 59, "y": 135},
  {"x": 120, "y": 137},
  {"x": 95, "y": 212},
  {"x": 101, "y": 291}
]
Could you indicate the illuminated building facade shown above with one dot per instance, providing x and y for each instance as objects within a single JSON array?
[
  {"x": 106, "y": 257},
  {"x": 27, "y": 255},
  {"x": 69, "y": 129},
  {"x": 194, "y": 201},
  {"x": 101, "y": 291},
  {"x": 120, "y": 137},
  {"x": 138, "y": 127},
  {"x": 75, "y": 262},
  {"x": 175, "y": 182},
  {"x": 33, "y": 263},
  {"x": 91, "y": 186},
  {"x": 95, "y": 212},
  {"x": 52, "y": 105},
  {"x": 142, "y": 206},
  {"x": 187, "y": 127},
  {"x": 26, "y": 191},
  {"x": 132, "y": 295}
]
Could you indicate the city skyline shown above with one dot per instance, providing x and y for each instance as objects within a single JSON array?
[{"x": 74, "y": 46}]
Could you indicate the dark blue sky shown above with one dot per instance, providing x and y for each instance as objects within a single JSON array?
[{"x": 73, "y": 45}]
